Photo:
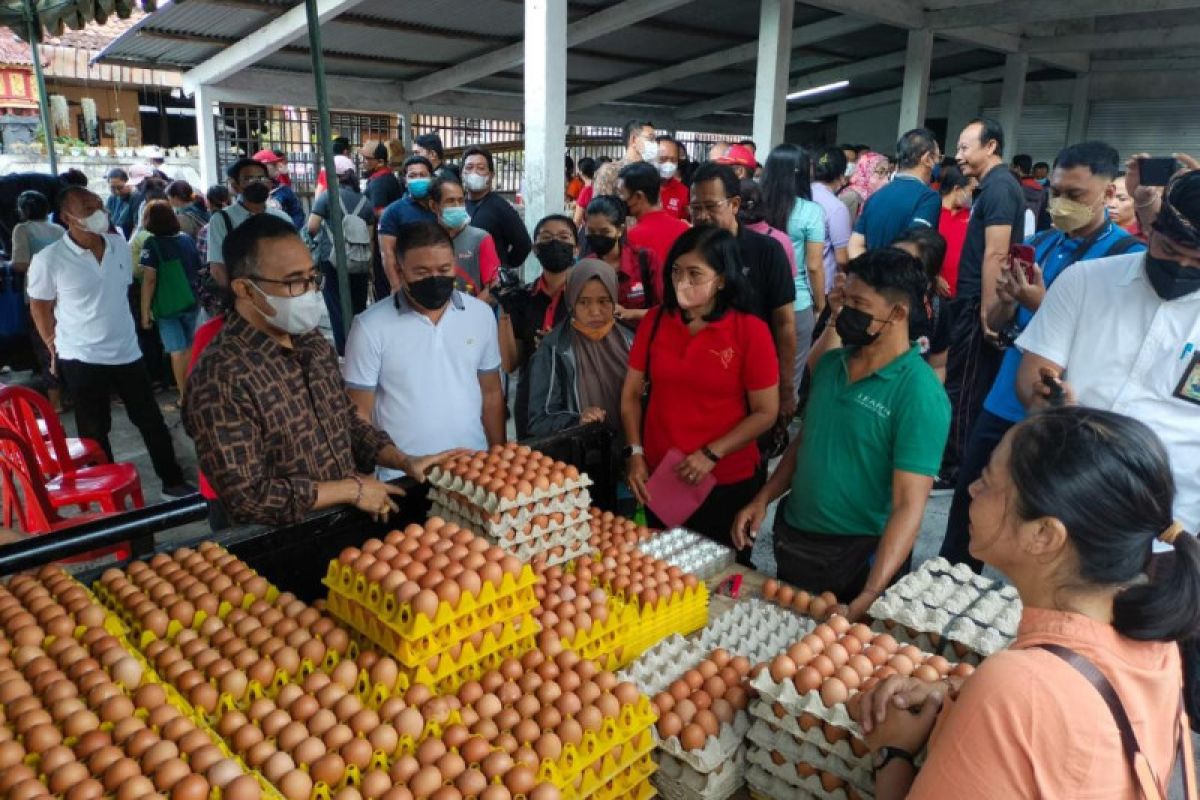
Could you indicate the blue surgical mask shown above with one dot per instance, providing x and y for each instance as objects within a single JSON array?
[
  {"x": 419, "y": 187},
  {"x": 937, "y": 172},
  {"x": 455, "y": 217}
]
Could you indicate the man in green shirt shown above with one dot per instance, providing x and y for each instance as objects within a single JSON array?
[{"x": 861, "y": 470}]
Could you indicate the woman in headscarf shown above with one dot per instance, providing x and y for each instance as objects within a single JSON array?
[
  {"x": 870, "y": 175},
  {"x": 575, "y": 377}
]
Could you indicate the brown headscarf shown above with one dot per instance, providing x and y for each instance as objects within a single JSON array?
[{"x": 599, "y": 365}]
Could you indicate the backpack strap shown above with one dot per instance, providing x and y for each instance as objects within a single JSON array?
[
  {"x": 1122, "y": 246},
  {"x": 362, "y": 201},
  {"x": 643, "y": 257}
]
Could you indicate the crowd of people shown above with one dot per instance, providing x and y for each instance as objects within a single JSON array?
[{"x": 1022, "y": 335}]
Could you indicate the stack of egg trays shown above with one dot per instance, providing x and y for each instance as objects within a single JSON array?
[
  {"x": 767, "y": 784},
  {"x": 811, "y": 747},
  {"x": 689, "y": 551},
  {"x": 614, "y": 762},
  {"x": 526, "y": 546},
  {"x": 682, "y": 613},
  {"x": 570, "y": 494},
  {"x": 943, "y": 607},
  {"x": 675, "y": 780}
]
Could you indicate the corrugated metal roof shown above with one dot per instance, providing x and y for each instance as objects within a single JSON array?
[{"x": 58, "y": 16}]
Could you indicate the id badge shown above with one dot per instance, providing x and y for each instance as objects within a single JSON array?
[{"x": 1189, "y": 385}]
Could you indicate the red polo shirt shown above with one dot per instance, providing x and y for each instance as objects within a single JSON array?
[
  {"x": 699, "y": 384},
  {"x": 657, "y": 231},
  {"x": 674, "y": 198}
]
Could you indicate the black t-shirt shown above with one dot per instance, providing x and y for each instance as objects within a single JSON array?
[
  {"x": 533, "y": 313},
  {"x": 494, "y": 215},
  {"x": 383, "y": 190},
  {"x": 1000, "y": 202},
  {"x": 929, "y": 326},
  {"x": 768, "y": 271}
]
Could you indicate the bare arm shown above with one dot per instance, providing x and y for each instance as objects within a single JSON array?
[
  {"x": 1031, "y": 390},
  {"x": 783, "y": 331},
  {"x": 364, "y": 403},
  {"x": 314, "y": 224},
  {"x": 995, "y": 262},
  {"x": 909, "y": 493},
  {"x": 842, "y": 256},
  {"x": 857, "y": 246},
  {"x": 149, "y": 284},
  {"x": 764, "y": 409},
  {"x": 637, "y": 471},
  {"x": 493, "y": 407},
  {"x": 387, "y": 250},
  {"x": 814, "y": 260},
  {"x": 937, "y": 362},
  {"x": 748, "y": 521},
  {"x": 43, "y": 319},
  {"x": 510, "y": 349}
]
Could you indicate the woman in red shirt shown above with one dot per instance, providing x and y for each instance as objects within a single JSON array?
[
  {"x": 639, "y": 275},
  {"x": 713, "y": 376},
  {"x": 956, "y": 190}
]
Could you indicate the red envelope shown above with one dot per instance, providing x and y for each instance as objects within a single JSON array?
[{"x": 672, "y": 499}]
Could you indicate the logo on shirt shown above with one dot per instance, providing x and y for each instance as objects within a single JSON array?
[
  {"x": 874, "y": 406},
  {"x": 724, "y": 356}
]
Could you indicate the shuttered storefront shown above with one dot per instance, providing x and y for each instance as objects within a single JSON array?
[
  {"x": 1042, "y": 132},
  {"x": 1158, "y": 127}
]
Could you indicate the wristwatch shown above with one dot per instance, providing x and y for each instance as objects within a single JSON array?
[
  {"x": 633, "y": 450},
  {"x": 885, "y": 754}
]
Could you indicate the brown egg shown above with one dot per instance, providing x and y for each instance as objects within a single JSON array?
[
  {"x": 139, "y": 786},
  {"x": 669, "y": 724},
  {"x": 295, "y": 785},
  {"x": 520, "y": 780},
  {"x": 65, "y": 776},
  {"x": 926, "y": 673},
  {"x": 782, "y": 668},
  {"x": 308, "y": 750},
  {"x": 707, "y": 720},
  {"x": 692, "y": 737},
  {"x": 834, "y": 691},
  {"x": 169, "y": 773},
  {"x": 118, "y": 772},
  {"x": 90, "y": 789},
  {"x": 328, "y": 769},
  {"x": 242, "y": 788},
  {"x": 223, "y": 772},
  {"x": 277, "y": 765},
  {"x": 204, "y": 757},
  {"x": 42, "y": 737},
  {"x": 426, "y": 781}
]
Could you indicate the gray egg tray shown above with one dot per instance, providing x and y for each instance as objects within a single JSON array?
[
  {"x": 782, "y": 783},
  {"x": 478, "y": 516},
  {"x": 689, "y": 551},
  {"x": 574, "y": 490},
  {"x": 675, "y": 780},
  {"x": 796, "y": 704},
  {"x": 932, "y": 643},
  {"x": 717, "y": 749},
  {"x": 855, "y": 771},
  {"x": 789, "y": 724}
]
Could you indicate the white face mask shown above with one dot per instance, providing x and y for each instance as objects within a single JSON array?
[
  {"x": 666, "y": 170},
  {"x": 294, "y": 315},
  {"x": 474, "y": 182},
  {"x": 649, "y": 150},
  {"x": 96, "y": 222},
  {"x": 850, "y": 165}
]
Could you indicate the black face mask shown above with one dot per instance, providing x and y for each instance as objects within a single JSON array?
[
  {"x": 1171, "y": 280},
  {"x": 256, "y": 192},
  {"x": 433, "y": 292},
  {"x": 601, "y": 245},
  {"x": 853, "y": 326},
  {"x": 555, "y": 256}
]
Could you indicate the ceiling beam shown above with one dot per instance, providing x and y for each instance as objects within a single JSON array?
[
  {"x": 743, "y": 98},
  {"x": 801, "y": 37},
  {"x": 1148, "y": 38},
  {"x": 611, "y": 19},
  {"x": 266, "y": 40},
  {"x": 1182, "y": 64},
  {"x": 890, "y": 96},
  {"x": 1024, "y": 11}
]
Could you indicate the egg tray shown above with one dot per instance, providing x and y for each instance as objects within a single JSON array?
[
  {"x": 689, "y": 551},
  {"x": 630, "y": 730},
  {"x": 682, "y": 613},
  {"x": 717, "y": 750},
  {"x": 569, "y": 554},
  {"x": 416, "y": 652},
  {"x": 675, "y": 780},
  {"x": 515, "y": 519},
  {"x": 855, "y": 771},
  {"x": 603, "y": 642},
  {"x": 510, "y": 540},
  {"x": 932, "y": 643},
  {"x": 449, "y": 623},
  {"x": 770, "y": 781},
  {"x": 815, "y": 735},
  {"x": 796, "y": 704},
  {"x": 605, "y": 775},
  {"x": 574, "y": 490}
]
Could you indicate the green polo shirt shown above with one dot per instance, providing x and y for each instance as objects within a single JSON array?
[{"x": 856, "y": 434}]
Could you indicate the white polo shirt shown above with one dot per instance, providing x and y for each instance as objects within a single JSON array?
[
  {"x": 425, "y": 376},
  {"x": 93, "y": 322},
  {"x": 1125, "y": 349}
]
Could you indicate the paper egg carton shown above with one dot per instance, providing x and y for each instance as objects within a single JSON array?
[
  {"x": 932, "y": 643},
  {"x": 716, "y": 750},
  {"x": 763, "y": 712},
  {"x": 571, "y": 551},
  {"x": 796, "y": 704},
  {"x": 954, "y": 603},
  {"x": 573, "y": 490},
  {"x": 782, "y": 782},
  {"x": 519, "y": 519},
  {"x": 538, "y": 541},
  {"x": 689, "y": 551},
  {"x": 675, "y": 780},
  {"x": 855, "y": 771}
]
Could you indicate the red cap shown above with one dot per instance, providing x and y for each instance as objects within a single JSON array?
[
  {"x": 739, "y": 156},
  {"x": 266, "y": 157}
]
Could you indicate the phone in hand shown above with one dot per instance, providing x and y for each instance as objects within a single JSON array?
[
  {"x": 1054, "y": 384},
  {"x": 1156, "y": 171},
  {"x": 1024, "y": 255}
]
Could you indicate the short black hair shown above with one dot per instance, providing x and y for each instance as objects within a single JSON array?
[
  {"x": 180, "y": 190},
  {"x": 609, "y": 206},
  {"x": 379, "y": 152},
  {"x": 236, "y": 167},
  {"x": 1041, "y": 165},
  {"x": 340, "y": 146},
  {"x": 1099, "y": 157},
  {"x": 749, "y": 143},
  {"x": 952, "y": 178},
  {"x": 116, "y": 172},
  {"x": 239, "y": 251},
  {"x": 32, "y": 205},
  {"x": 666, "y": 137},
  {"x": 829, "y": 165},
  {"x": 752, "y": 210},
  {"x": 634, "y": 125},
  {"x": 1022, "y": 163},
  {"x": 68, "y": 192},
  {"x": 414, "y": 235},
  {"x": 433, "y": 142},
  {"x": 893, "y": 273},
  {"x": 74, "y": 176},
  {"x": 913, "y": 146},
  {"x": 563, "y": 218},
  {"x": 440, "y": 182},
  {"x": 217, "y": 194},
  {"x": 408, "y": 162},
  {"x": 990, "y": 130},
  {"x": 641, "y": 177},
  {"x": 930, "y": 244},
  {"x": 859, "y": 149},
  {"x": 587, "y": 167},
  {"x": 720, "y": 249},
  {"x": 711, "y": 170},
  {"x": 476, "y": 150}
]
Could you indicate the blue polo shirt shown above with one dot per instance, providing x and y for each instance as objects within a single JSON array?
[
  {"x": 1054, "y": 252},
  {"x": 402, "y": 212},
  {"x": 904, "y": 202}
]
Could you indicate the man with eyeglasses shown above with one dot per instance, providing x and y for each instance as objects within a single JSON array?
[
  {"x": 250, "y": 182},
  {"x": 715, "y": 201},
  {"x": 275, "y": 431}
]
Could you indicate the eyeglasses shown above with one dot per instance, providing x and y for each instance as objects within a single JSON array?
[
  {"x": 296, "y": 286},
  {"x": 707, "y": 208}
]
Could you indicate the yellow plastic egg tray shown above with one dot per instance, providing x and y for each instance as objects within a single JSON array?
[
  {"x": 632, "y": 780},
  {"x": 605, "y": 643},
  {"x": 630, "y": 728},
  {"x": 474, "y": 612}
]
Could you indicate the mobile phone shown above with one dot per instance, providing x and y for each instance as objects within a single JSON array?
[
  {"x": 1156, "y": 171},
  {"x": 1056, "y": 389},
  {"x": 1022, "y": 254}
]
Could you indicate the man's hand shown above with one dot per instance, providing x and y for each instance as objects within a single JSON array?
[
  {"x": 375, "y": 498},
  {"x": 857, "y": 610},
  {"x": 695, "y": 467},
  {"x": 1052, "y": 390},
  {"x": 147, "y": 323},
  {"x": 1133, "y": 177},
  {"x": 787, "y": 402},
  {"x": 592, "y": 414},
  {"x": 941, "y": 287},
  {"x": 837, "y": 296},
  {"x": 637, "y": 475},
  {"x": 415, "y": 467},
  {"x": 1014, "y": 286},
  {"x": 747, "y": 522}
]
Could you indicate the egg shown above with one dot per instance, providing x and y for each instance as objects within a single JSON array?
[
  {"x": 328, "y": 769},
  {"x": 223, "y": 772},
  {"x": 692, "y": 737},
  {"x": 295, "y": 785},
  {"x": 243, "y": 787},
  {"x": 169, "y": 773},
  {"x": 833, "y": 692}
]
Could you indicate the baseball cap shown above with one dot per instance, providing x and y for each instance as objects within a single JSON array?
[
  {"x": 139, "y": 173},
  {"x": 738, "y": 155},
  {"x": 266, "y": 157},
  {"x": 342, "y": 165}
]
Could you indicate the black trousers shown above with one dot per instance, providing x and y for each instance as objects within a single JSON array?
[
  {"x": 714, "y": 518},
  {"x": 971, "y": 367},
  {"x": 989, "y": 430},
  {"x": 822, "y": 562},
  {"x": 91, "y": 387}
]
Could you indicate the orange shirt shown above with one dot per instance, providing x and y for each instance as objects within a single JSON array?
[{"x": 1027, "y": 725}]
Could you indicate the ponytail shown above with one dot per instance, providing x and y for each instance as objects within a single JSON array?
[{"x": 1168, "y": 607}]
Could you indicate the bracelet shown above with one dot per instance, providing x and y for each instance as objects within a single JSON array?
[
  {"x": 709, "y": 454},
  {"x": 358, "y": 480}
]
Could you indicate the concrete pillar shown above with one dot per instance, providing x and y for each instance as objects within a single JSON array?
[
  {"x": 1080, "y": 106},
  {"x": 915, "y": 94},
  {"x": 545, "y": 109},
  {"x": 771, "y": 81},
  {"x": 1012, "y": 99},
  {"x": 405, "y": 112},
  {"x": 965, "y": 103},
  {"x": 206, "y": 135}
]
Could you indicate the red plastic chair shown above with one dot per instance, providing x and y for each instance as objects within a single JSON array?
[
  {"x": 31, "y": 415},
  {"x": 111, "y": 486}
]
